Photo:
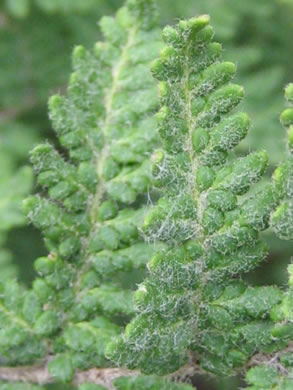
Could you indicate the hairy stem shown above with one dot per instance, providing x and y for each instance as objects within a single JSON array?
[{"x": 101, "y": 158}]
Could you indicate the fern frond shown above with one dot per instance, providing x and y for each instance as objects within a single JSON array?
[
  {"x": 92, "y": 203},
  {"x": 197, "y": 240},
  {"x": 209, "y": 226}
]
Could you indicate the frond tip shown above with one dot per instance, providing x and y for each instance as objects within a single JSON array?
[{"x": 145, "y": 11}]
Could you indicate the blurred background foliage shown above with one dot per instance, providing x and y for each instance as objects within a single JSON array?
[{"x": 36, "y": 40}]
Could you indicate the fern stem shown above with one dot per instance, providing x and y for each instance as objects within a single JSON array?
[{"x": 105, "y": 125}]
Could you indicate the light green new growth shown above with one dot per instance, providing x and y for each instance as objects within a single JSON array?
[{"x": 193, "y": 308}]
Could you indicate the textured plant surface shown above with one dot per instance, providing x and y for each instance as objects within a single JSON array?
[
  {"x": 89, "y": 229},
  {"x": 27, "y": 78},
  {"x": 125, "y": 190},
  {"x": 255, "y": 35},
  {"x": 192, "y": 303},
  {"x": 275, "y": 371}
]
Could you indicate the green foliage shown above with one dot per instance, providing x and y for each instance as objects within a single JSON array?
[
  {"x": 27, "y": 40},
  {"x": 211, "y": 234},
  {"x": 268, "y": 377},
  {"x": 89, "y": 227},
  {"x": 199, "y": 237},
  {"x": 256, "y": 36},
  {"x": 277, "y": 373}
]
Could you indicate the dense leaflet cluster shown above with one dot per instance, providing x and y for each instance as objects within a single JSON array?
[
  {"x": 277, "y": 371},
  {"x": 191, "y": 303},
  {"x": 92, "y": 203},
  {"x": 199, "y": 237}
]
